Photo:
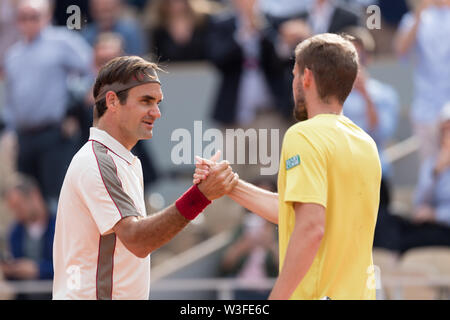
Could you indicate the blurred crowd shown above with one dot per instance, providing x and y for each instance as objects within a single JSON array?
[{"x": 47, "y": 72}]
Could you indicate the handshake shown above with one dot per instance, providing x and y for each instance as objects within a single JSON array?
[{"x": 214, "y": 179}]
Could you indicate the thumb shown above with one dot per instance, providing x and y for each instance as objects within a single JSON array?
[
  {"x": 216, "y": 157},
  {"x": 200, "y": 160}
]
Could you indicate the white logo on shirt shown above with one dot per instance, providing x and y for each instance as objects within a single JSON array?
[{"x": 74, "y": 280}]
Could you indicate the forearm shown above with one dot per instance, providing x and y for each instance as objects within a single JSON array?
[
  {"x": 152, "y": 232},
  {"x": 257, "y": 200},
  {"x": 300, "y": 254}
]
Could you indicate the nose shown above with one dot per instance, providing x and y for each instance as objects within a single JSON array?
[{"x": 154, "y": 112}]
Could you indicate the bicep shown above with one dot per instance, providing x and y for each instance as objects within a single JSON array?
[
  {"x": 125, "y": 229},
  {"x": 310, "y": 216}
]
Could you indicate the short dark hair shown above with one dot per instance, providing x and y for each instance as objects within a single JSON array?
[
  {"x": 333, "y": 60},
  {"x": 120, "y": 69}
]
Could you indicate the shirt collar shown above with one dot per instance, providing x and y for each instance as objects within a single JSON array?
[{"x": 108, "y": 141}]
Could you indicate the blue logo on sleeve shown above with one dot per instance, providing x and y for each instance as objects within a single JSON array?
[{"x": 292, "y": 162}]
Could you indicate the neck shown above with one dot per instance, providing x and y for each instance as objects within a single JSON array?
[
  {"x": 324, "y": 108},
  {"x": 116, "y": 133}
]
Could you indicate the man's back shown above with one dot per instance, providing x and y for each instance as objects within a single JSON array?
[{"x": 330, "y": 161}]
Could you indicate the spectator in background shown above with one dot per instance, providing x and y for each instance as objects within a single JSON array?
[
  {"x": 430, "y": 222},
  {"x": 36, "y": 72},
  {"x": 372, "y": 105},
  {"x": 178, "y": 29},
  {"x": 106, "y": 15},
  {"x": 432, "y": 198},
  {"x": 253, "y": 254},
  {"x": 423, "y": 34},
  {"x": 284, "y": 9},
  {"x": 322, "y": 16},
  {"x": 242, "y": 46},
  {"x": 31, "y": 236},
  {"x": 107, "y": 46},
  {"x": 9, "y": 33}
]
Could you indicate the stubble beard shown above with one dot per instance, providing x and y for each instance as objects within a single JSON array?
[{"x": 300, "y": 106}]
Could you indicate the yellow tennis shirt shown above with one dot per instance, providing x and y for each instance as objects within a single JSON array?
[{"x": 330, "y": 161}]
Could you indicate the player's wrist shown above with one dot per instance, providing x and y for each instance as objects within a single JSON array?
[{"x": 192, "y": 203}]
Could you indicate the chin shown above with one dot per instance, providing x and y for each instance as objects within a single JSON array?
[{"x": 148, "y": 135}]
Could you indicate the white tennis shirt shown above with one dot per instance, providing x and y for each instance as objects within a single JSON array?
[{"x": 103, "y": 184}]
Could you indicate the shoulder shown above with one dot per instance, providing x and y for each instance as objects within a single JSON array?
[
  {"x": 84, "y": 162},
  {"x": 309, "y": 126},
  {"x": 62, "y": 37},
  {"x": 55, "y": 33},
  {"x": 13, "y": 51},
  {"x": 307, "y": 135}
]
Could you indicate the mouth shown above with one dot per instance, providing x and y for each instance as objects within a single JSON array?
[{"x": 148, "y": 124}]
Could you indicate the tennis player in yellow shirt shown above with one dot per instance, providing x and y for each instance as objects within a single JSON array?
[{"x": 328, "y": 183}]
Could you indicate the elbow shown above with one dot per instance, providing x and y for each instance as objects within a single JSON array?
[
  {"x": 133, "y": 243},
  {"x": 316, "y": 234},
  {"x": 140, "y": 254},
  {"x": 139, "y": 250}
]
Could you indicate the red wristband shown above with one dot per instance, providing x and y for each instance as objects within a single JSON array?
[{"x": 192, "y": 203}]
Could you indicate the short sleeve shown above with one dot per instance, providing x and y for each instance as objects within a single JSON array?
[
  {"x": 101, "y": 191},
  {"x": 306, "y": 170}
]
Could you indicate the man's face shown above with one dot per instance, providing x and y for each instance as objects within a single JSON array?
[
  {"x": 300, "y": 105},
  {"x": 19, "y": 205},
  {"x": 245, "y": 6},
  {"x": 105, "y": 12},
  {"x": 30, "y": 21},
  {"x": 138, "y": 115},
  {"x": 104, "y": 52}
]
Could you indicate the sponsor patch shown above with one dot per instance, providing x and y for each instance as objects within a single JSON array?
[{"x": 292, "y": 162}]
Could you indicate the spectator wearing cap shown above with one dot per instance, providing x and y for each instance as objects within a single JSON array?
[{"x": 422, "y": 36}]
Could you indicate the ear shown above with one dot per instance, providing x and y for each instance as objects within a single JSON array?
[
  {"x": 308, "y": 78},
  {"x": 112, "y": 101}
]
